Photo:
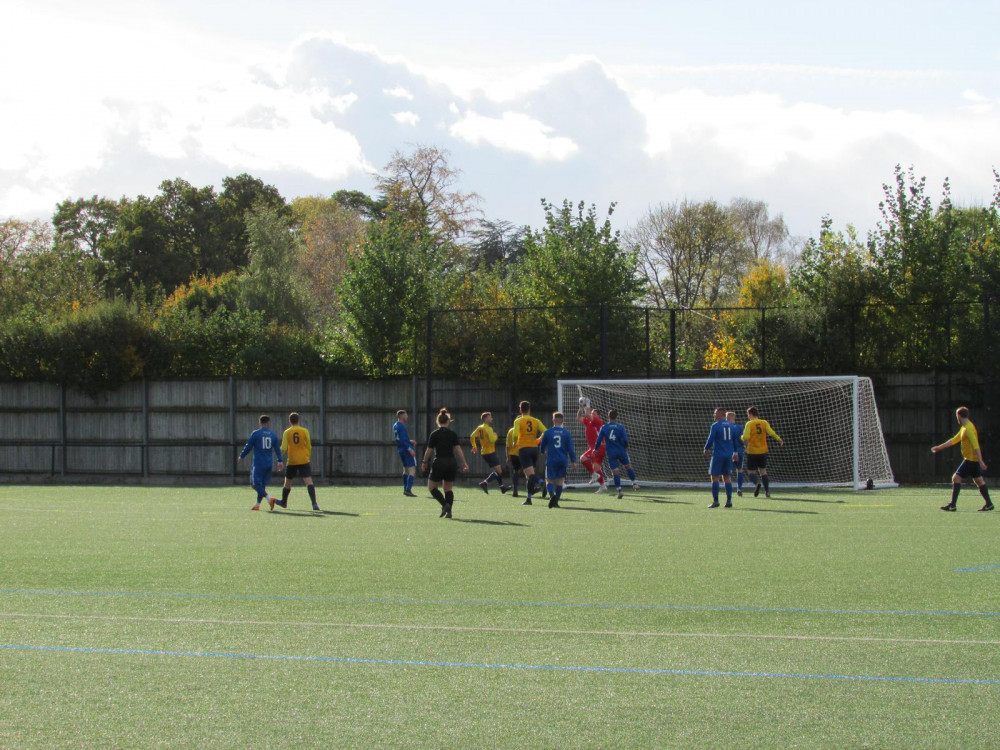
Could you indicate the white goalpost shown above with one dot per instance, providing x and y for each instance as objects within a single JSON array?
[{"x": 830, "y": 426}]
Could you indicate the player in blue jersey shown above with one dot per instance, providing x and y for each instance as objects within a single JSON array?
[
  {"x": 738, "y": 461},
  {"x": 722, "y": 449},
  {"x": 615, "y": 438},
  {"x": 262, "y": 442},
  {"x": 557, "y": 447},
  {"x": 407, "y": 451}
]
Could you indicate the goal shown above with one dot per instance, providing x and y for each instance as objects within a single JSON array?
[{"x": 830, "y": 426}]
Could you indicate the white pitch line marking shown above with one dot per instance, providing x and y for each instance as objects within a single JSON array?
[{"x": 521, "y": 631}]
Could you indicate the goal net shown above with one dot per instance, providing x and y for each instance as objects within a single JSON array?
[{"x": 830, "y": 426}]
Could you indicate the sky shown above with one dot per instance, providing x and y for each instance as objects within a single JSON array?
[{"x": 637, "y": 103}]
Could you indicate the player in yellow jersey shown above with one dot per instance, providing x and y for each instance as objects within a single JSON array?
[
  {"x": 484, "y": 439},
  {"x": 296, "y": 449},
  {"x": 972, "y": 466},
  {"x": 513, "y": 460},
  {"x": 755, "y": 433},
  {"x": 528, "y": 431}
]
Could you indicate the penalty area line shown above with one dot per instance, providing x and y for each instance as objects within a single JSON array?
[{"x": 499, "y": 666}]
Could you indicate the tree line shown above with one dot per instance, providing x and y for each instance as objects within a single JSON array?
[{"x": 195, "y": 281}]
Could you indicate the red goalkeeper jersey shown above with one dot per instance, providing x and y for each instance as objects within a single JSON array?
[{"x": 592, "y": 425}]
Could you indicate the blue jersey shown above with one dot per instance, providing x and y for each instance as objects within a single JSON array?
[
  {"x": 557, "y": 445},
  {"x": 402, "y": 437},
  {"x": 262, "y": 442},
  {"x": 613, "y": 435},
  {"x": 738, "y": 440},
  {"x": 722, "y": 439}
]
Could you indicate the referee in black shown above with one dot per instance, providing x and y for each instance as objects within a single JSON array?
[{"x": 443, "y": 443}]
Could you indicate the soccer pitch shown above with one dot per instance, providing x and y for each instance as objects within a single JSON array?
[{"x": 176, "y": 617}]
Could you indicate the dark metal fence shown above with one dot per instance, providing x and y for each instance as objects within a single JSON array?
[{"x": 523, "y": 350}]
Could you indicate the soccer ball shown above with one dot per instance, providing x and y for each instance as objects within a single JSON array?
[{"x": 584, "y": 401}]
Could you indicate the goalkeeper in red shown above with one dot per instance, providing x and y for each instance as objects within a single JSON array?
[
  {"x": 755, "y": 434},
  {"x": 972, "y": 466},
  {"x": 592, "y": 460}
]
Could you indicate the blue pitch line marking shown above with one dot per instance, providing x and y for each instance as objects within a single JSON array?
[
  {"x": 977, "y": 568},
  {"x": 486, "y": 665},
  {"x": 479, "y": 603}
]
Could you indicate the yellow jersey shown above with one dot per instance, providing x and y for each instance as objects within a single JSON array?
[
  {"x": 528, "y": 431},
  {"x": 969, "y": 439},
  {"x": 511, "y": 442},
  {"x": 755, "y": 434},
  {"x": 487, "y": 439},
  {"x": 296, "y": 445}
]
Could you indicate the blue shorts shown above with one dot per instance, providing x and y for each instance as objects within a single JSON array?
[
  {"x": 721, "y": 466},
  {"x": 614, "y": 459},
  {"x": 555, "y": 469},
  {"x": 260, "y": 476},
  {"x": 492, "y": 459},
  {"x": 407, "y": 458}
]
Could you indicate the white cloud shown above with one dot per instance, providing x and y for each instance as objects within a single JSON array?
[
  {"x": 760, "y": 131},
  {"x": 514, "y": 131},
  {"x": 398, "y": 93},
  {"x": 406, "y": 118}
]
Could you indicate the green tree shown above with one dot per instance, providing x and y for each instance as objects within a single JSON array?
[
  {"x": 330, "y": 234},
  {"x": 86, "y": 223},
  {"x": 577, "y": 262},
  {"x": 240, "y": 195},
  {"x": 494, "y": 243},
  {"x": 273, "y": 283},
  {"x": 421, "y": 188},
  {"x": 162, "y": 242},
  {"x": 692, "y": 254},
  {"x": 386, "y": 294},
  {"x": 366, "y": 207}
]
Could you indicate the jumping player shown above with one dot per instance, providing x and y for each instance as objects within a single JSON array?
[
  {"x": 592, "y": 460},
  {"x": 557, "y": 446},
  {"x": 613, "y": 435},
  {"x": 972, "y": 466}
]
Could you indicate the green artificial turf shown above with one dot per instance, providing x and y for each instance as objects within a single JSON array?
[{"x": 176, "y": 617}]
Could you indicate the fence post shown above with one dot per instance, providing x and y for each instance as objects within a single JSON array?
[
  {"x": 514, "y": 359},
  {"x": 763, "y": 341},
  {"x": 649, "y": 371},
  {"x": 327, "y": 450},
  {"x": 145, "y": 428},
  {"x": 430, "y": 363},
  {"x": 987, "y": 361},
  {"x": 62, "y": 428},
  {"x": 673, "y": 342},
  {"x": 232, "y": 429},
  {"x": 604, "y": 340}
]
